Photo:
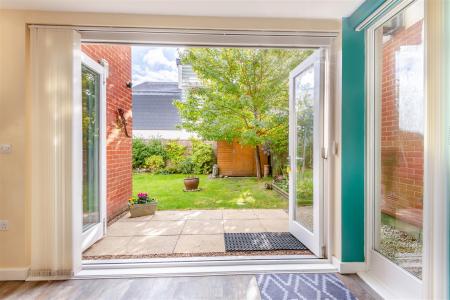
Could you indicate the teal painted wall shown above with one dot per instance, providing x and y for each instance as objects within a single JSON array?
[
  {"x": 447, "y": 76},
  {"x": 353, "y": 133}
]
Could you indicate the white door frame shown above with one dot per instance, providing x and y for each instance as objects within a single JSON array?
[
  {"x": 212, "y": 38},
  {"x": 313, "y": 240},
  {"x": 382, "y": 273},
  {"x": 96, "y": 232}
]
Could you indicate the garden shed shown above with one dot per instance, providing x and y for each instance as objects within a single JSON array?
[{"x": 233, "y": 159}]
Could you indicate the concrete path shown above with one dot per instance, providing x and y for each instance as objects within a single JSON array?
[{"x": 184, "y": 231}]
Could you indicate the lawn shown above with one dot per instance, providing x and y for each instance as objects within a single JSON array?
[{"x": 215, "y": 193}]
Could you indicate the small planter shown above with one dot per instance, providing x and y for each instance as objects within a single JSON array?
[
  {"x": 191, "y": 184},
  {"x": 139, "y": 210}
]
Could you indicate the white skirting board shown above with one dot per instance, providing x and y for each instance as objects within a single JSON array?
[
  {"x": 7, "y": 274},
  {"x": 348, "y": 267}
]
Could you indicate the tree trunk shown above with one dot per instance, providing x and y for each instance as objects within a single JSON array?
[{"x": 258, "y": 162}]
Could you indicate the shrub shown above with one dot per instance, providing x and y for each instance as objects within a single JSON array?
[
  {"x": 202, "y": 157},
  {"x": 176, "y": 156},
  {"x": 142, "y": 150},
  {"x": 154, "y": 163},
  {"x": 156, "y": 147},
  {"x": 187, "y": 166}
]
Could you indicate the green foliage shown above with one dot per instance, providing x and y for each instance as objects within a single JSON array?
[
  {"x": 202, "y": 157},
  {"x": 187, "y": 166},
  {"x": 142, "y": 150},
  {"x": 154, "y": 163},
  {"x": 243, "y": 96},
  {"x": 176, "y": 156},
  {"x": 140, "y": 153},
  {"x": 304, "y": 186},
  {"x": 156, "y": 147}
]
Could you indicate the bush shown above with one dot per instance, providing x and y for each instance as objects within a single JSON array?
[
  {"x": 187, "y": 166},
  {"x": 176, "y": 156},
  {"x": 154, "y": 163},
  {"x": 142, "y": 150},
  {"x": 140, "y": 153},
  {"x": 202, "y": 157},
  {"x": 156, "y": 147}
]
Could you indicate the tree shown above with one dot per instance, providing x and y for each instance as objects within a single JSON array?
[{"x": 244, "y": 95}]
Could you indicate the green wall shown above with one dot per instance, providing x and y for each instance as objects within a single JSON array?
[
  {"x": 447, "y": 95},
  {"x": 353, "y": 133}
]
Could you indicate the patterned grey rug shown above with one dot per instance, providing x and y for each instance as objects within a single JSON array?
[{"x": 303, "y": 286}]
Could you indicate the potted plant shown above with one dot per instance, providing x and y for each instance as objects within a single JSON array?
[
  {"x": 191, "y": 183},
  {"x": 142, "y": 205}
]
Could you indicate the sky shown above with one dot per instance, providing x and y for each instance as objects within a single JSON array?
[{"x": 154, "y": 64}]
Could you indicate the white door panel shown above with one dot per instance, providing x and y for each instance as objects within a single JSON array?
[
  {"x": 94, "y": 151},
  {"x": 305, "y": 147}
]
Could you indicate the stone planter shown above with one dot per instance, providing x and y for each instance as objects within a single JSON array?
[
  {"x": 139, "y": 210},
  {"x": 191, "y": 184}
]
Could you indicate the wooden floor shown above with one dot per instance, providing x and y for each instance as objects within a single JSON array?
[{"x": 234, "y": 287}]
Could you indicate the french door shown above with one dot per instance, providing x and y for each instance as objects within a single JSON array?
[
  {"x": 305, "y": 147},
  {"x": 93, "y": 139},
  {"x": 397, "y": 143}
]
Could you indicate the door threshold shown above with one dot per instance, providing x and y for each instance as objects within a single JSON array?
[
  {"x": 251, "y": 259},
  {"x": 199, "y": 266}
]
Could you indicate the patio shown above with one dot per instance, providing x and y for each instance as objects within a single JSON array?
[{"x": 185, "y": 233}]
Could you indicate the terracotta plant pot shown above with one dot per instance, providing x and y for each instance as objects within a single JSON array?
[
  {"x": 139, "y": 210},
  {"x": 191, "y": 184}
]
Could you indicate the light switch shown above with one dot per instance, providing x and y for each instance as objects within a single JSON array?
[{"x": 5, "y": 148}]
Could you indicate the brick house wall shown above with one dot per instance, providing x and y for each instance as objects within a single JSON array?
[
  {"x": 401, "y": 151},
  {"x": 119, "y": 146}
]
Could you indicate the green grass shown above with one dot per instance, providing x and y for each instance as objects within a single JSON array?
[{"x": 215, "y": 193}]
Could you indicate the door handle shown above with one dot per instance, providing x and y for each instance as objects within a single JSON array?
[{"x": 324, "y": 152}]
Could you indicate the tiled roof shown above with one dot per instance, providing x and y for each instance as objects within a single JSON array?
[{"x": 153, "y": 107}]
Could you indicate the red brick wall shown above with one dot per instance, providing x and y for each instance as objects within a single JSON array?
[
  {"x": 118, "y": 151},
  {"x": 401, "y": 151}
]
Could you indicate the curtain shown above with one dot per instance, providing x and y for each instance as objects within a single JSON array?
[{"x": 55, "y": 82}]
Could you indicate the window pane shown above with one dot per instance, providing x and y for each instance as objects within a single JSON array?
[
  {"x": 90, "y": 125},
  {"x": 304, "y": 100},
  {"x": 400, "y": 138}
]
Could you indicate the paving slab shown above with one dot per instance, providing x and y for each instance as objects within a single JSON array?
[
  {"x": 275, "y": 225},
  {"x": 171, "y": 215},
  {"x": 161, "y": 228},
  {"x": 142, "y": 245},
  {"x": 203, "y": 227},
  {"x": 205, "y": 215},
  {"x": 239, "y": 214},
  {"x": 200, "y": 243},
  {"x": 126, "y": 228},
  {"x": 271, "y": 214},
  {"x": 109, "y": 246},
  {"x": 236, "y": 226}
]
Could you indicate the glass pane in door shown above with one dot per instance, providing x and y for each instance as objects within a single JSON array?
[
  {"x": 91, "y": 147},
  {"x": 304, "y": 103},
  {"x": 399, "y": 132}
]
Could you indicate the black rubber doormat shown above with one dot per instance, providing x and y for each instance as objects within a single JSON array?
[{"x": 262, "y": 241}]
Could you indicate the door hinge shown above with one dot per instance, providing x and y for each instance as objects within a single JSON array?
[
  {"x": 324, "y": 251},
  {"x": 104, "y": 225}
]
